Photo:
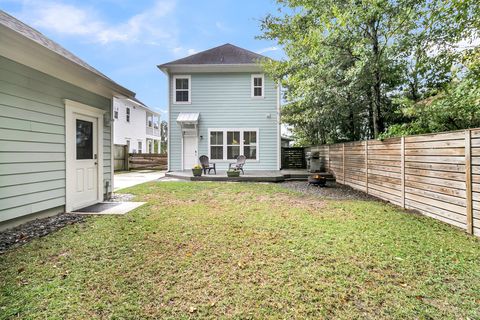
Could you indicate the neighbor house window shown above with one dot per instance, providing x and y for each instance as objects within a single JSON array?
[
  {"x": 140, "y": 147},
  {"x": 127, "y": 142},
  {"x": 150, "y": 121},
  {"x": 216, "y": 145},
  {"x": 127, "y": 114},
  {"x": 257, "y": 85},
  {"x": 115, "y": 113},
  {"x": 228, "y": 144},
  {"x": 181, "y": 89},
  {"x": 250, "y": 144}
]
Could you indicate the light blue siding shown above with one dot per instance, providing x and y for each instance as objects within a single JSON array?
[
  {"x": 32, "y": 138},
  {"x": 224, "y": 101}
]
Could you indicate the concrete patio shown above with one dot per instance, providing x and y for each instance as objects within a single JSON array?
[{"x": 249, "y": 176}]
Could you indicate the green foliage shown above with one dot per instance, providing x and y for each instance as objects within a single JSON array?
[
  {"x": 456, "y": 107},
  {"x": 352, "y": 64}
]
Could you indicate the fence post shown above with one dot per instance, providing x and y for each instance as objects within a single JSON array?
[
  {"x": 402, "y": 169},
  {"x": 125, "y": 158},
  {"x": 343, "y": 161},
  {"x": 366, "y": 166},
  {"x": 328, "y": 150},
  {"x": 468, "y": 181}
]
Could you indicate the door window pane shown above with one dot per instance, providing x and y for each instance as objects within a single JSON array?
[{"x": 84, "y": 139}]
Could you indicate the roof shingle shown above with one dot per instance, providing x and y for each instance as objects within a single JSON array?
[{"x": 223, "y": 55}]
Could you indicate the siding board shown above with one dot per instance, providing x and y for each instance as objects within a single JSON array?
[
  {"x": 32, "y": 138},
  {"x": 224, "y": 101}
]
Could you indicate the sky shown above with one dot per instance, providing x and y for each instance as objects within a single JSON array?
[{"x": 127, "y": 39}]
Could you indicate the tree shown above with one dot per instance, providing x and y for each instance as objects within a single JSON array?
[
  {"x": 164, "y": 137},
  {"x": 350, "y": 63}
]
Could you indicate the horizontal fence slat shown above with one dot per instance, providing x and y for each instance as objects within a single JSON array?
[{"x": 428, "y": 173}]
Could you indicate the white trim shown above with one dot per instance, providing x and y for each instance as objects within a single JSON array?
[
  {"x": 112, "y": 155},
  {"x": 182, "y": 151},
  {"x": 174, "y": 88},
  {"x": 216, "y": 68},
  {"x": 169, "y": 127},
  {"x": 72, "y": 107},
  {"x": 242, "y": 130},
  {"x": 279, "y": 127},
  {"x": 252, "y": 87}
]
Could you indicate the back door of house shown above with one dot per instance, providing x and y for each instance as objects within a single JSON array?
[
  {"x": 190, "y": 152},
  {"x": 85, "y": 161}
]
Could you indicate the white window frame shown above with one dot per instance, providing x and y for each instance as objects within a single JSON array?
[
  {"x": 242, "y": 130},
  {"x": 253, "y": 86},
  {"x": 115, "y": 113},
  {"x": 174, "y": 93},
  {"x": 128, "y": 114},
  {"x": 149, "y": 122}
]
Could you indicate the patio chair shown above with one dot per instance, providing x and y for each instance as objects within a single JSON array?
[
  {"x": 239, "y": 164},
  {"x": 206, "y": 165}
]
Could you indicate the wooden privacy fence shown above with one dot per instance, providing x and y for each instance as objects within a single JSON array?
[
  {"x": 293, "y": 158},
  {"x": 435, "y": 174},
  {"x": 131, "y": 161},
  {"x": 120, "y": 157},
  {"x": 147, "y": 161}
]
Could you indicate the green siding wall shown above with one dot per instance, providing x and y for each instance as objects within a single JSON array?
[
  {"x": 224, "y": 101},
  {"x": 32, "y": 138}
]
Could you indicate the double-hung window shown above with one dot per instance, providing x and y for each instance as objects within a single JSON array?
[
  {"x": 115, "y": 113},
  {"x": 228, "y": 144},
  {"x": 181, "y": 89},
  {"x": 233, "y": 145},
  {"x": 127, "y": 114},
  {"x": 216, "y": 145},
  {"x": 258, "y": 85},
  {"x": 250, "y": 144}
]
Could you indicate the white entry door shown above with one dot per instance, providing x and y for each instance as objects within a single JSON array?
[
  {"x": 85, "y": 163},
  {"x": 190, "y": 153}
]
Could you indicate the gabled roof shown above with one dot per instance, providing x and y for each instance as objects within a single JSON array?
[
  {"x": 28, "y": 32},
  {"x": 223, "y": 55}
]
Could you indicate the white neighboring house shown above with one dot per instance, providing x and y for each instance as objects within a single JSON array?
[{"x": 136, "y": 125}]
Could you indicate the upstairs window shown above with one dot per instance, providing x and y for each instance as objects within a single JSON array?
[
  {"x": 181, "y": 89},
  {"x": 257, "y": 85},
  {"x": 127, "y": 114},
  {"x": 115, "y": 113},
  {"x": 150, "y": 121}
]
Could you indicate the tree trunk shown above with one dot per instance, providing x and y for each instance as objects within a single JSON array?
[{"x": 377, "y": 82}]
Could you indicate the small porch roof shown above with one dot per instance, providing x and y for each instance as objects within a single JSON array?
[{"x": 185, "y": 117}]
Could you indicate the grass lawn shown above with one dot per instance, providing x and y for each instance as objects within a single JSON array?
[{"x": 217, "y": 250}]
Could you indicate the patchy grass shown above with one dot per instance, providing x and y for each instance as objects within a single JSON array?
[{"x": 217, "y": 250}]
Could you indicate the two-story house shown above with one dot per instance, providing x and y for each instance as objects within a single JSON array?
[
  {"x": 223, "y": 105},
  {"x": 136, "y": 126}
]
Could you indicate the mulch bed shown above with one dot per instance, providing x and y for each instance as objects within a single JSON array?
[
  {"x": 332, "y": 190},
  {"x": 15, "y": 237}
]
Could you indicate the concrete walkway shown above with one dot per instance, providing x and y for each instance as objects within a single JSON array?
[{"x": 130, "y": 179}]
